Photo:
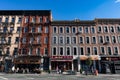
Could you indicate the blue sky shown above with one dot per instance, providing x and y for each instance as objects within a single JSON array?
[{"x": 68, "y": 9}]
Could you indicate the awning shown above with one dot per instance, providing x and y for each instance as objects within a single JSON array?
[
  {"x": 61, "y": 60},
  {"x": 93, "y": 57}
]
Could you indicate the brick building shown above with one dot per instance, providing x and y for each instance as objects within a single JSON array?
[
  {"x": 30, "y": 37},
  {"x": 73, "y": 42}
]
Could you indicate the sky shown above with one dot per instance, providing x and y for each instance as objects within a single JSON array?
[{"x": 68, "y": 9}]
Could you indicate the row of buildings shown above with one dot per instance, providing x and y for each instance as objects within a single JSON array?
[{"x": 31, "y": 39}]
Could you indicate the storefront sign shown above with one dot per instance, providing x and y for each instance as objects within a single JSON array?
[{"x": 62, "y": 57}]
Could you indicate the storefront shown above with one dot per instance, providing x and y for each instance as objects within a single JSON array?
[
  {"x": 27, "y": 62},
  {"x": 61, "y": 62},
  {"x": 95, "y": 62},
  {"x": 110, "y": 64}
]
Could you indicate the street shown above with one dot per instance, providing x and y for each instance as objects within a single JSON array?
[{"x": 4, "y": 76}]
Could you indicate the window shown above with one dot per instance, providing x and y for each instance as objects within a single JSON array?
[
  {"x": 19, "y": 20},
  {"x": 0, "y": 20},
  {"x": 33, "y": 20},
  {"x": 107, "y": 38},
  {"x": 61, "y": 50},
  {"x": 46, "y": 40},
  {"x": 102, "y": 50},
  {"x": 99, "y": 29},
  {"x": 5, "y": 29},
  {"x": 26, "y": 20},
  {"x": 23, "y": 51},
  {"x": 17, "y": 40},
  {"x": 95, "y": 50},
  {"x": 67, "y": 30},
  {"x": 100, "y": 39},
  {"x": 30, "y": 51},
  {"x": 54, "y": 40},
  {"x": 113, "y": 39},
  {"x": 33, "y": 29},
  {"x": 13, "y": 20},
  {"x": 47, "y": 19},
  {"x": 88, "y": 50},
  {"x": 73, "y": 40},
  {"x": 6, "y": 19},
  {"x": 18, "y": 29},
  {"x": 115, "y": 50},
  {"x": 25, "y": 29},
  {"x": 81, "y": 40},
  {"x": 24, "y": 40},
  {"x": 54, "y": 30},
  {"x": 38, "y": 39},
  {"x": 8, "y": 51},
  {"x": 15, "y": 51},
  {"x": 73, "y": 30},
  {"x": 39, "y": 29},
  {"x": 112, "y": 29},
  {"x": 105, "y": 29},
  {"x": 119, "y": 39},
  {"x": 41, "y": 19},
  {"x": 80, "y": 29},
  {"x": 109, "y": 50},
  {"x": 68, "y": 51},
  {"x": 68, "y": 40},
  {"x": 46, "y": 51},
  {"x": 3, "y": 40},
  {"x": 38, "y": 51},
  {"x": 75, "y": 51},
  {"x": 54, "y": 51},
  {"x": 46, "y": 29},
  {"x": 81, "y": 51},
  {"x": 87, "y": 40},
  {"x": 94, "y": 40},
  {"x": 9, "y": 40},
  {"x": 31, "y": 40},
  {"x": 61, "y": 30},
  {"x": 11, "y": 29},
  {"x": 118, "y": 29},
  {"x": 61, "y": 40},
  {"x": 92, "y": 30},
  {"x": 86, "y": 29}
]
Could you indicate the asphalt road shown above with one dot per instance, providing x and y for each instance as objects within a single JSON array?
[{"x": 56, "y": 77}]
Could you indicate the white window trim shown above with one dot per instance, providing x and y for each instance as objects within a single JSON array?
[
  {"x": 79, "y": 29},
  {"x": 72, "y": 40},
  {"x": 62, "y": 28},
  {"x": 92, "y": 40},
  {"x": 53, "y": 40},
  {"x": 66, "y": 50},
  {"x": 56, "y": 50},
  {"x": 114, "y": 50},
  {"x": 93, "y": 50},
  {"x": 56, "y": 29},
  {"x": 76, "y": 50},
  {"x": 83, "y": 50},
  {"x": 113, "y": 28},
  {"x": 104, "y": 50},
  {"x": 72, "y": 29},
  {"x": 63, "y": 40},
  {"x": 69, "y": 39},
  {"x": 94, "y": 29},
  {"x": 63, "y": 50},
  {"x": 104, "y": 28},
  {"x": 107, "y": 50},
  {"x": 90, "y": 50},
  {"x": 86, "y": 40}
]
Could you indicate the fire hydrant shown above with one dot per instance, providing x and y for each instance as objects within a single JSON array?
[{"x": 96, "y": 72}]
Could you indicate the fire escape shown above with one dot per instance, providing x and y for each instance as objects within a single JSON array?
[{"x": 5, "y": 43}]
